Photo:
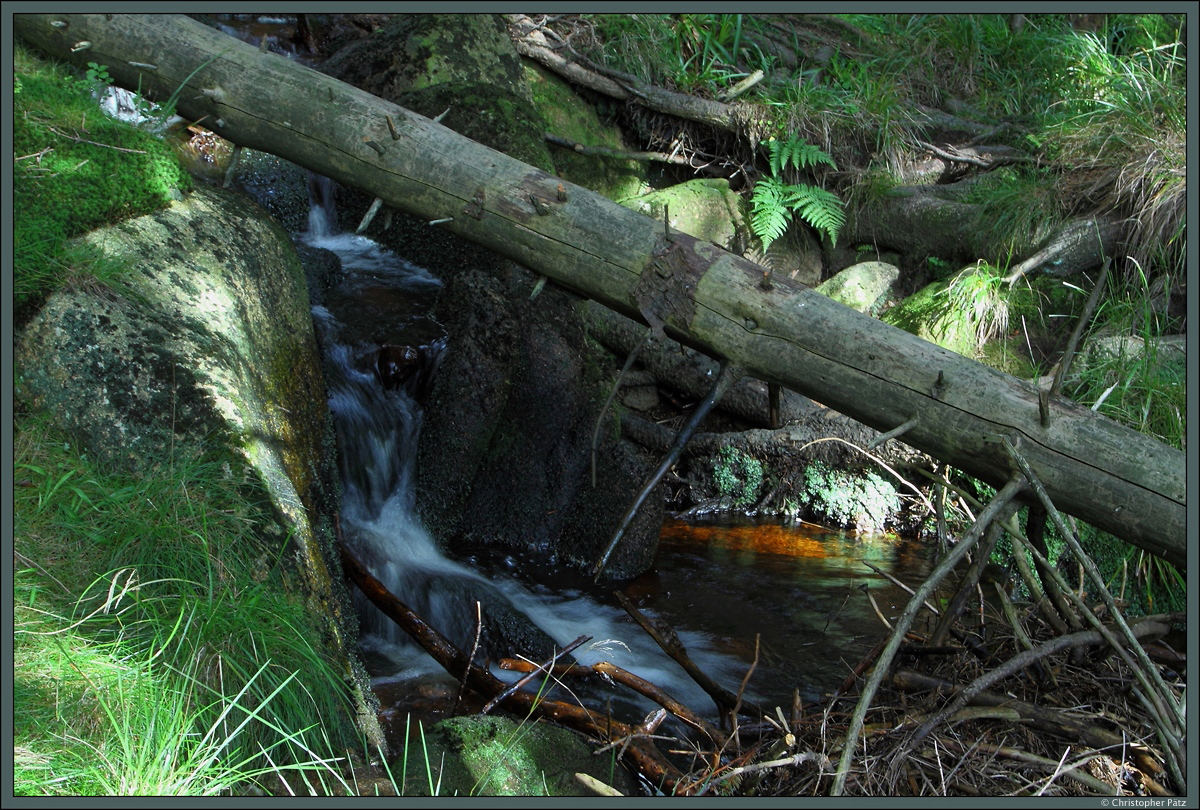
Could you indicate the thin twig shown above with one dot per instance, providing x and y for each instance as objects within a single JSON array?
[
  {"x": 77, "y": 139},
  {"x": 727, "y": 376},
  {"x": 474, "y": 648},
  {"x": 612, "y": 395},
  {"x": 1015, "y": 485},
  {"x": 541, "y": 667},
  {"x": 1064, "y": 363}
]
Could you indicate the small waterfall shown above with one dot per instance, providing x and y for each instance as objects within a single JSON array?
[
  {"x": 378, "y": 429},
  {"x": 322, "y": 214}
]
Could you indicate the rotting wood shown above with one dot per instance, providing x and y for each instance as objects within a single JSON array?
[{"x": 1113, "y": 477}]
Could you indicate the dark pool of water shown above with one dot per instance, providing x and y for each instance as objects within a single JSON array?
[{"x": 801, "y": 589}]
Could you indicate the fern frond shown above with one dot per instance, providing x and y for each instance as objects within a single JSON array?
[
  {"x": 819, "y": 208},
  {"x": 769, "y": 212},
  {"x": 798, "y": 153}
]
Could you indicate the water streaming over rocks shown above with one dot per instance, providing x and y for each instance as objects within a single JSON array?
[{"x": 383, "y": 298}]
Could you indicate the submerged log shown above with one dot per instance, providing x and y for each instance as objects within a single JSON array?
[{"x": 1113, "y": 477}]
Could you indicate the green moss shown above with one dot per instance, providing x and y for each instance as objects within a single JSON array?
[
  {"x": 705, "y": 208},
  {"x": 854, "y": 500},
  {"x": 738, "y": 476},
  {"x": 495, "y": 756},
  {"x": 75, "y": 170},
  {"x": 925, "y": 314},
  {"x": 488, "y": 114},
  {"x": 570, "y": 116}
]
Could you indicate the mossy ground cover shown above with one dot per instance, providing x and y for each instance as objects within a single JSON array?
[{"x": 75, "y": 169}]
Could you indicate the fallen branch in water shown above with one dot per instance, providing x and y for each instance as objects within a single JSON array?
[
  {"x": 647, "y": 759},
  {"x": 669, "y": 642},
  {"x": 615, "y": 674}
]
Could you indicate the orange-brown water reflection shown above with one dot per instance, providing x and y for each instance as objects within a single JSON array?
[{"x": 802, "y": 589}]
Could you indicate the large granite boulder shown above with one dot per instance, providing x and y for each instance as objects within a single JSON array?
[{"x": 206, "y": 347}]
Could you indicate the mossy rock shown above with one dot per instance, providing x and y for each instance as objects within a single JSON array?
[
  {"x": 209, "y": 350},
  {"x": 74, "y": 186},
  {"x": 705, "y": 208},
  {"x": 495, "y": 756},
  {"x": 863, "y": 287},
  {"x": 930, "y": 313},
  {"x": 927, "y": 314},
  {"x": 569, "y": 115},
  {"x": 64, "y": 186},
  {"x": 494, "y": 116},
  {"x": 415, "y": 51}
]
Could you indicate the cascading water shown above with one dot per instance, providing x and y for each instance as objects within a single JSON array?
[{"x": 378, "y": 428}]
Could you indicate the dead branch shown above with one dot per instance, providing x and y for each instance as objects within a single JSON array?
[
  {"x": 622, "y": 154},
  {"x": 1077, "y": 245},
  {"x": 1014, "y": 487},
  {"x": 729, "y": 374},
  {"x": 1145, "y": 670},
  {"x": 1063, "y": 725},
  {"x": 533, "y": 673},
  {"x": 669, "y": 642},
  {"x": 1013, "y": 665},
  {"x": 531, "y": 42},
  {"x": 644, "y": 687},
  {"x": 646, "y": 758},
  {"x": 78, "y": 139},
  {"x": 1071, "y": 771}
]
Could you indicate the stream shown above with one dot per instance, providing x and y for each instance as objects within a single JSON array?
[{"x": 799, "y": 589}]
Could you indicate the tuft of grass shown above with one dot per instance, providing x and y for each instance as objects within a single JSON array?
[
  {"x": 158, "y": 647},
  {"x": 979, "y": 294},
  {"x": 703, "y": 54},
  {"x": 1129, "y": 369}
]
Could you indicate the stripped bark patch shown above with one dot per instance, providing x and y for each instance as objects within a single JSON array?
[{"x": 666, "y": 289}]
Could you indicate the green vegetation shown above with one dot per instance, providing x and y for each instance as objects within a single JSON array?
[
  {"x": 980, "y": 296},
  {"x": 75, "y": 169},
  {"x": 852, "y": 500},
  {"x": 690, "y": 53},
  {"x": 738, "y": 476},
  {"x": 1131, "y": 370},
  {"x": 775, "y": 200},
  {"x": 161, "y": 644},
  {"x": 1091, "y": 106},
  {"x": 159, "y": 648}
]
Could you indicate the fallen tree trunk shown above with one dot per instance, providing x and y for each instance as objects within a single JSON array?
[
  {"x": 933, "y": 220},
  {"x": 1110, "y": 476}
]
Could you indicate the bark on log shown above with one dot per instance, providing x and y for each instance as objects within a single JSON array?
[{"x": 1110, "y": 476}]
